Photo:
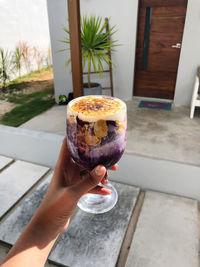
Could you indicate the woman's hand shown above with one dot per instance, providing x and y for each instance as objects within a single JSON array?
[{"x": 68, "y": 184}]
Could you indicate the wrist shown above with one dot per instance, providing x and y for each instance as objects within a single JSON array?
[
  {"x": 35, "y": 241},
  {"x": 48, "y": 223},
  {"x": 42, "y": 229}
]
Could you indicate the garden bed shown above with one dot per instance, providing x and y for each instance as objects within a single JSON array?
[{"x": 26, "y": 97}]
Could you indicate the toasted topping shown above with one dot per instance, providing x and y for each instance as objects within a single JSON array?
[
  {"x": 95, "y": 106},
  {"x": 72, "y": 119},
  {"x": 92, "y": 140},
  {"x": 121, "y": 127},
  {"x": 100, "y": 128}
]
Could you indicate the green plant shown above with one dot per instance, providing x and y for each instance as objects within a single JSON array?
[
  {"x": 30, "y": 106},
  {"x": 48, "y": 58},
  {"x": 5, "y": 66},
  {"x": 62, "y": 99},
  {"x": 26, "y": 54},
  {"x": 17, "y": 60},
  {"x": 95, "y": 43},
  {"x": 37, "y": 56}
]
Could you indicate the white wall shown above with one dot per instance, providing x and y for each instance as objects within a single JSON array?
[
  {"x": 43, "y": 148},
  {"x": 25, "y": 21},
  {"x": 190, "y": 54},
  {"x": 124, "y": 15},
  {"x": 58, "y": 14},
  {"x": 22, "y": 20}
]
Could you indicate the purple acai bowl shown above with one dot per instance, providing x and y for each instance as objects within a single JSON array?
[{"x": 94, "y": 143}]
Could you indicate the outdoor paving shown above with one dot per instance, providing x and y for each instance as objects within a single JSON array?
[
  {"x": 165, "y": 232},
  {"x": 13, "y": 226},
  {"x": 91, "y": 237},
  {"x": 160, "y": 134},
  {"x": 4, "y": 161},
  {"x": 16, "y": 180},
  {"x": 163, "y": 134},
  {"x": 52, "y": 121}
]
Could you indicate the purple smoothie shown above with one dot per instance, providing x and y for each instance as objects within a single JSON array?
[
  {"x": 91, "y": 143},
  {"x": 106, "y": 151}
]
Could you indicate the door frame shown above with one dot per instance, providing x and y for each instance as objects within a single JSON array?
[
  {"x": 134, "y": 68},
  {"x": 75, "y": 46}
]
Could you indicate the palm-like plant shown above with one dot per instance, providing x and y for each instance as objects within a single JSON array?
[
  {"x": 5, "y": 66},
  {"x": 48, "y": 57},
  {"x": 37, "y": 56},
  {"x": 95, "y": 43},
  {"x": 26, "y": 54},
  {"x": 17, "y": 60}
]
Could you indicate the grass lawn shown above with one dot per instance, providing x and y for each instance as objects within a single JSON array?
[{"x": 29, "y": 104}]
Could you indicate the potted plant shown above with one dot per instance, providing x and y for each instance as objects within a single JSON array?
[{"x": 95, "y": 43}]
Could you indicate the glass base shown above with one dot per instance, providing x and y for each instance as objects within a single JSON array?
[{"x": 96, "y": 204}]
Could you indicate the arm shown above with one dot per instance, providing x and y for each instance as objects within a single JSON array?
[{"x": 53, "y": 215}]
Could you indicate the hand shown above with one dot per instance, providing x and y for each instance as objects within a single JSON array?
[{"x": 68, "y": 184}]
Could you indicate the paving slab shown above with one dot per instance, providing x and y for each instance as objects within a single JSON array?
[
  {"x": 13, "y": 226},
  {"x": 4, "y": 161},
  {"x": 166, "y": 234},
  {"x": 16, "y": 180},
  {"x": 95, "y": 240},
  {"x": 3, "y": 252}
]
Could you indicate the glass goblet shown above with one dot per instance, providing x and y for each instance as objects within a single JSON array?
[{"x": 96, "y": 134}]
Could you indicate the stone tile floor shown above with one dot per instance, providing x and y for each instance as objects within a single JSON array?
[{"x": 144, "y": 229}]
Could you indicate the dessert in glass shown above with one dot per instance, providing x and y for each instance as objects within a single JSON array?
[{"x": 96, "y": 134}]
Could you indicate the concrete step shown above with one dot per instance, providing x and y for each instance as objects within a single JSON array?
[
  {"x": 89, "y": 237},
  {"x": 95, "y": 240},
  {"x": 167, "y": 233},
  {"x": 13, "y": 226},
  {"x": 4, "y": 161},
  {"x": 16, "y": 180}
]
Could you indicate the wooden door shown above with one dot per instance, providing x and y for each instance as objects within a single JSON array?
[{"x": 159, "y": 37}]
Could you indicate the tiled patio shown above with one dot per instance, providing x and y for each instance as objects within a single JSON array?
[
  {"x": 144, "y": 229},
  {"x": 161, "y": 134}
]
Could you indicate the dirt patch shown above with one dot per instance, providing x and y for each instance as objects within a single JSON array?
[
  {"x": 41, "y": 82},
  {"x": 6, "y": 107},
  {"x": 37, "y": 82},
  {"x": 36, "y": 86}
]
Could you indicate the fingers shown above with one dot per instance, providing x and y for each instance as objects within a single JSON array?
[
  {"x": 104, "y": 181},
  {"x": 100, "y": 191},
  {"x": 89, "y": 181},
  {"x": 114, "y": 167},
  {"x": 64, "y": 153}
]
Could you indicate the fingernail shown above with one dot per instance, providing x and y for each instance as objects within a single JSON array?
[{"x": 99, "y": 170}]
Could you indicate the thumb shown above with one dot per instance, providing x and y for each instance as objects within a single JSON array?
[{"x": 89, "y": 181}]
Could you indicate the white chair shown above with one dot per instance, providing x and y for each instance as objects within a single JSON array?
[{"x": 195, "y": 96}]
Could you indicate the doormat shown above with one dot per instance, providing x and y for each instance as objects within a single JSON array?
[{"x": 155, "y": 105}]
